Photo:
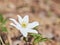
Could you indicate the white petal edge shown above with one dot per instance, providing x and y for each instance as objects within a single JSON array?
[
  {"x": 14, "y": 26},
  {"x": 26, "y": 19},
  {"x": 32, "y": 31},
  {"x": 19, "y": 19},
  {"x": 33, "y": 24},
  {"x": 23, "y": 32},
  {"x": 14, "y": 21}
]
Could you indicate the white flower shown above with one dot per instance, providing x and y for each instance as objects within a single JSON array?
[{"x": 24, "y": 26}]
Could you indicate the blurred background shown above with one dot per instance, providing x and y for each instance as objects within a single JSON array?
[{"x": 46, "y": 12}]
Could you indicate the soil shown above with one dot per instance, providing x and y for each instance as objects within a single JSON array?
[{"x": 46, "y": 12}]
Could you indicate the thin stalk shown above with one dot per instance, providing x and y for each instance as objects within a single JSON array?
[
  {"x": 2, "y": 41},
  {"x": 9, "y": 39}
]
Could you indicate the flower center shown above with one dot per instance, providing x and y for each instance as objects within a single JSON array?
[{"x": 24, "y": 25}]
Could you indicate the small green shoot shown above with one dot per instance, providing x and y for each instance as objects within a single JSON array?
[
  {"x": 2, "y": 23},
  {"x": 38, "y": 38}
]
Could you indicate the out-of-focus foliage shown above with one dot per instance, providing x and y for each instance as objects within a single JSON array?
[
  {"x": 38, "y": 38},
  {"x": 2, "y": 23}
]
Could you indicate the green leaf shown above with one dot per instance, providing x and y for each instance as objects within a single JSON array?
[
  {"x": 36, "y": 35},
  {"x": 4, "y": 29},
  {"x": 43, "y": 39},
  {"x": 38, "y": 38},
  {"x": 1, "y": 18},
  {"x": 4, "y": 21}
]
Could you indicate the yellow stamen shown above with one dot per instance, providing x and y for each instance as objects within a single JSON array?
[{"x": 24, "y": 25}]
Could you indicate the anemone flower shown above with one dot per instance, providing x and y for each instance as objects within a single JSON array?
[{"x": 24, "y": 26}]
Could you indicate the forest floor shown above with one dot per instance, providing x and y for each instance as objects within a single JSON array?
[{"x": 46, "y": 12}]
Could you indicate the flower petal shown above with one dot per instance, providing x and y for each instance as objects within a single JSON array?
[
  {"x": 23, "y": 32},
  {"x": 19, "y": 19},
  {"x": 14, "y": 21},
  {"x": 32, "y": 31},
  {"x": 33, "y": 24},
  {"x": 14, "y": 25},
  {"x": 26, "y": 19}
]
